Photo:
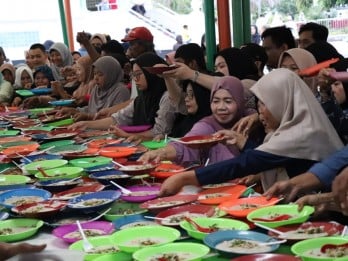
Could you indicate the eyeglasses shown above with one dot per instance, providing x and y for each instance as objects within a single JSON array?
[
  {"x": 136, "y": 75},
  {"x": 189, "y": 95}
]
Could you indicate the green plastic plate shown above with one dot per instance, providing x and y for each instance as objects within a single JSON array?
[
  {"x": 21, "y": 228},
  {"x": 45, "y": 164}
]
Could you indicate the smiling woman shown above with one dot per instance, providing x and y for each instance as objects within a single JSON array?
[{"x": 296, "y": 126}]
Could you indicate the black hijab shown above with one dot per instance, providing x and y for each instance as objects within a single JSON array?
[
  {"x": 240, "y": 64},
  {"x": 184, "y": 123},
  {"x": 146, "y": 104}
]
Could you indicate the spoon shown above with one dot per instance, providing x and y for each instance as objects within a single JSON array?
[
  {"x": 157, "y": 218},
  {"x": 43, "y": 172},
  {"x": 270, "y": 229},
  {"x": 123, "y": 189},
  {"x": 119, "y": 164},
  {"x": 199, "y": 227},
  {"x": 87, "y": 246},
  {"x": 273, "y": 243}
]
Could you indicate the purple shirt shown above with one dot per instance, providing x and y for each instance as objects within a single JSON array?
[{"x": 216, "y": 153}]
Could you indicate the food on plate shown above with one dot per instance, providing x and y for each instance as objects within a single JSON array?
[
  {"x": 340, "y": 251},
  {"x": 272, "y": 217},
  {"x": 179, "y": 256},
  {"x": 17, "y": 200},
  {"x": 103, "y": 250},
  {"x": 139, "y": 224},
  {"x": 305, "y": 231},
  {"x": 91, "y": 202},
  {"x": 12, "y": 230},
  {"x": 166, "y": 204},
  {"x": 114, "y": 176},
  {"x": 145, "y": 241},
  {"x": 136, "y": 167},
  {"x": 143, "y": 193},
  {"x": 74, "y": 194},
  {"x": 243, "y": 206},
  {"x": 242, "y": 246},
  {"x": 88, "y": 232},
  {"x": 213, "y": 195},
  {"x": 177, "y": 218}
]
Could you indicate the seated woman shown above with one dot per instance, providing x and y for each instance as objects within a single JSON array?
[
  {"x": 109, "y": 89},
  {"x": 197, "y": 107},
  {"x": 151, "y": 107},
  {"x": 24, "y": 80},
  {"x": 9, "y": 72},
  {"x": 297, "y": 59},
  {"x": 43, "y": 77},
  {"x": 60, "y": 56},
  {"x": 298, "y": 134},
  {"x": 227, "y": 105},
  {"x": 6, "y": 91},
  {"x": 81, "y": 95}
]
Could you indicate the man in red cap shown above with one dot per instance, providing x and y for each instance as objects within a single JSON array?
[{"x": 140, "y": 41}]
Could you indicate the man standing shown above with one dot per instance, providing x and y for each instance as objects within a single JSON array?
[
  {"x": 276, "y": 40},
  {"x": 310, "y": 33}
]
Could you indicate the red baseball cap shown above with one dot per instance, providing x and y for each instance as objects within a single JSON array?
[{"x": 138, "y": 33}]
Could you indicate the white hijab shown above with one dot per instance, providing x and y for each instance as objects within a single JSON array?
[
  {"x": 19, "y": 71},
  {"x": 304, "y": 132}
]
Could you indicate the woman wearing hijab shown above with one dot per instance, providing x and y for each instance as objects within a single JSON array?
[
  {"x": 197, "y": 107},
  {"x": 6, "y": 91},
  {"x": 298, "y": 134},
  {"x": 109, "y": 89},
  {"x": 24, "y": 78},
  {"x": 227, "y": 105},
  {"x": 84, "y": 75},
  {"x": 9, "y": 72},
  {"x": 297, "y": 59},
  {"x": 60, "y": 56},
  {"x": 151, "y": 107}
]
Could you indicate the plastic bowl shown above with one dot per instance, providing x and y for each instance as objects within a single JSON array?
[
  {"x": 60, "y": 173},
  {"x": 130, "y": 239},
  {"x": 292, "y": 210},
  {"x": 301, "y": 248},
  {"x": 193, "y": 251},
  {"x": 108, "y": 197},
  {"x": 104, "y": 177},
  {"x": 45, "y": 164},
  {"x": 101, "y": 241},
  {"x": 42, "y": 210},
  {"x": 221, "y": 223},
  {"x": 16, "y": 196},
  {"x": 121, "y": 209},
  {"x": 23, "y": 228},
  {"x": 102, "y": 228}
]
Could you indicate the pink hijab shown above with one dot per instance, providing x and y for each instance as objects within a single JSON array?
[{"x": 235, "y": 87}]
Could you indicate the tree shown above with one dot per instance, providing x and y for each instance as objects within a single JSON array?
[{"x": 331, "y": 3}]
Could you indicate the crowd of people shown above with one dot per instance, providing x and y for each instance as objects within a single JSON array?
[{"x": 283, "y": 129}]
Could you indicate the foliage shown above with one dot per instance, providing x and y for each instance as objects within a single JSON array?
[
  {"x": 330, "y": 3},
  {"x": 179, "y": 6}
]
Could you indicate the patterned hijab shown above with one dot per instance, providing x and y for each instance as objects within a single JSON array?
[{"x": 146, "y": 104}]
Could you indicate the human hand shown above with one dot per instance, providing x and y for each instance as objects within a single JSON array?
[
  {"x": 135, "y": 139},
  {"x": 173, "y": 184},
  {"x": 249, "y": 180},
  {"x": 151, "y": 156},
  {"x": 283, "y": 189},
  {"x": 324, "y": 79},
  {"x": 81, "y": 125},
  {"x": 16, "y": 101},
  {"x": 232, "y": 138},
  {"x": 30, "y": 102},
  {"x": 340, "y": 191},
  {"x": 82, "y": 38},
  {"x": 244, "y": 124},
  {"x": 319, "y": 201},
  {"x": 182, "y": 72},
  {"x": 67, "y": 111},
  {"x": 8, "y": 250},
  {"x": 103, "y": 113},
  {"x": 80, "y": 116}
]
